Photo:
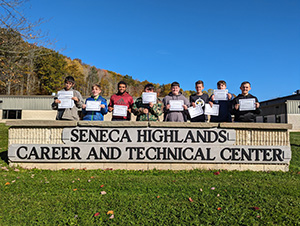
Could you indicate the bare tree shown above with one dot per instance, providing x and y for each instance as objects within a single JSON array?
[{"x": 19, "y": 42}]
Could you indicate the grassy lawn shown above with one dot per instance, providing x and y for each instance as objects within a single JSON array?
[{"x": 105, "y": 197}]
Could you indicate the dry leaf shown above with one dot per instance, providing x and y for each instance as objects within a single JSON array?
[
  {"x": 96, "y": 214},
  {"x": 112, "y": 216},
  {"x": 219, "y": 208},
  {"x": 75, "y": 189},
  {"x": 7, "y": 183},
  {"x": 110, "y": 212},
  {"x": 190, "y": 199},
  {"x": 103, "y": 192},
  {"x": 102, "y": 186}
]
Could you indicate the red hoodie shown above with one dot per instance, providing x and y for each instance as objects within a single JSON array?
[{"x": 121, "y": 99}]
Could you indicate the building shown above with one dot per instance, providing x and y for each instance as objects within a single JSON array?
[{"x": 282, "y": 110}]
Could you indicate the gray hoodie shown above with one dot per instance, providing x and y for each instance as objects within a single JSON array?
[
  {"x": 175, "y": 116},
  {"x": 69, "y": 113}
]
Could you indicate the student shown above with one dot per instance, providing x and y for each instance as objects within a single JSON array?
[
  {"x": 95, "y": 115},
  {"x": 177, "y": 115},
  {"x": 121, "y": 98},
  {"x": 224, "y": 105},
  {"x": 247, "y": 115},
  {"x": 147, "y": 112},
  {"x": 69, "y": 113},
  {"x": 199, "y": 98}
]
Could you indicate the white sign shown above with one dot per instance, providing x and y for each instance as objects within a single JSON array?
[
  {"x": 247, "y": 104},
  {"x": 176, "y": 105},
  {"x": 195, "y": 111},
  {"x": 149, "y": 98},
  {"x": 221, "y": 94},
  {"x": 214, "y": 110},
  {"x": 65, "y": 98},
  {"x": 120, "y": 110},
  {"x": 93, "y": 105}
]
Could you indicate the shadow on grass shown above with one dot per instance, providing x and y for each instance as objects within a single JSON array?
[
  {"x": 296, "y": 145},
  {"x": 4, "y": 156}
]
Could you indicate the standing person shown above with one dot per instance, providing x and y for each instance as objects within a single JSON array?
[
  {"x": 147, "y": 112},
  {"x": 121, "y": 98},
  {"x": 245, "y": 115},
  {"x": 199, "y": 99},
  {"x": 95, "y": 115},
  {"x": 68, "y": 113},
  {"x": 224, "y": 105},
  {"x": 179, "y": 115}
]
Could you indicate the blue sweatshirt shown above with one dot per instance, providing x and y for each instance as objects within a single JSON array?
[{"x": 95, "y": 115}]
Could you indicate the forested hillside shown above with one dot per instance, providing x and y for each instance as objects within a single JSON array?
[{"x": 27, "y": 69}]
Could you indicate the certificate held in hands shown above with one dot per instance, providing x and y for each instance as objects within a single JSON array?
[
  {"x": 120, "y": 110},
  {"x": 247, "y": 104},
  {"x": 65, "y": 98},
  {"x": 195, "y": 111},
  {"x": 93, "y": 106},
  {"x": 149, "y": 98},
  {"x": 176, "y": 105},
  {"x": 221, "y": 94},
  {"x": 214, "y": 110}
]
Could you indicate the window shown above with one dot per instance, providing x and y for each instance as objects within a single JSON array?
[
  {"x": 12, "y": 114},
  {"x": 278, "y": 119}
]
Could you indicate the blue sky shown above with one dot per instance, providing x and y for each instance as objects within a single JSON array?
[{"x": 182, "y": 40}]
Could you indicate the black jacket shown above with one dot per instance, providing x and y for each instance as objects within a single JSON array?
[{"x": 244, "y": 116}]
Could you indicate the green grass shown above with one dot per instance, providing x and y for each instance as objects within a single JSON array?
[{"x": 72, "y": 197}]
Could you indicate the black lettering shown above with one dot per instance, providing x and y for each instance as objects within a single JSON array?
[
  {"x": 93, "y": 136},
  {"x": 199, "y": 153},
  {"x": 74, "y": 134},
  {"x": 245, "y": 154},
  {"x": 189, "y": 136},
  {"x": 18, "y": 152},
  {"x": 222, "y": 134},
  {"x": 208, "y": 154},
  {"x": 55, "y": 152},
  {"x": 126, "y": 136},
  {"x": 266, "y": 154},
  {"x": 111, "y": 137},
  {"x": 148, "y": 155},
  {"x": 212, "y": 139},
  {"x": 45, "y": 152},
  {"x": 93, "y": 154},
  {"x": 277, "y": 154},
  {"x": 75, "y": 151},
  {"x": 82, "y": 135},
  {"x": 65, "y": 153},
  {"x": 184, "y": 155},
  {"x": 160, "y": 136},
  {"x": 235, "y": 153},
  {"x": 223, "y": 156},
  {"x": 200, "y": 135},
  {"x": 139, "y": 152},
  {"x": 103, "y": 135},
  {"x": 115, "y": 152},
  {"x": 130, "y": 152}
]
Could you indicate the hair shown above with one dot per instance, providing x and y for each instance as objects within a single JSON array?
[
  {"x": 122, "y": 82},
  {"x": 199, "y": 82},
  {"x": 70, "y": 79},
  {"x": 245, "y": 82},
  {"x": 175, "y": 84},
  {"x": 149, "y": 86},
  {"x": 221, "y": 82},
  {"x": 98, "y": 85}
]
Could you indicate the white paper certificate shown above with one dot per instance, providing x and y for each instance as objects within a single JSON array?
[
  {"x": 214, "y": 110},
  {"x": 93, "y": 105},
  {"x": 120, "y": 110},
  {"x": 176, "y": 105},
  {"x": 195, "y": 111},
  {"x": 221, "y": 94},
  {"x": 65, "y": 98},
  {"x": 247, "y": 104},
  {"x": 149, "y": 97}
]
